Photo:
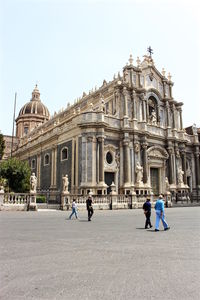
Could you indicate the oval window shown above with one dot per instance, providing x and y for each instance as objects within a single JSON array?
[{"x": 109, "y": 158}]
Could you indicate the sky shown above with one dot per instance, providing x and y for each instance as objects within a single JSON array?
[{"x": 69, "y": 47}]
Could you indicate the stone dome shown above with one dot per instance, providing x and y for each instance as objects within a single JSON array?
[
  {"x": 31, "y": 115},
  {"x": 35, "y": 106}
]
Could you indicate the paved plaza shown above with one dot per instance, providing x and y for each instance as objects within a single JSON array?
[{"x": 45, "y": 256}]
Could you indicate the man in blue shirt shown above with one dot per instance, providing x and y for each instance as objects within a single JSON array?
[
  {"x": 160, "y": 214},
  {"x": 147, "y": 212}
]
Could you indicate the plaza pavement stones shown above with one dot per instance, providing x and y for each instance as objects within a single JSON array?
[{"x": 45, "y": 256}]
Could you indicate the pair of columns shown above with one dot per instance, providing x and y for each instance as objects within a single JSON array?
[
  {"x": 127, "y": 162},
  {"x": 93, "y": 159}
]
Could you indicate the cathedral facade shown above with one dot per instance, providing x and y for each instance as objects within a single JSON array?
[{"x": 127, "y": 134}]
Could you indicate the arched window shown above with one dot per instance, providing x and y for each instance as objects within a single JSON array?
[
  {"x": 46, "y": 159},
  {"x": 64, "y": 153},
  {"x": 33, "y": 164},
  {"x": 25, "y": 130}
]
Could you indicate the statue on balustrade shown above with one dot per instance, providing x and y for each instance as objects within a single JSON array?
[
  {"x": 33, "y": 183},
  {"x": 139, "y": 173}
]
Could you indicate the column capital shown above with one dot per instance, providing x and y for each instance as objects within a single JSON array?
[
  {"x": 170, "y": 150},
  {"x": 126, "y": 142},
  {"x": 90, "y": 139},
  {"x": 100, "y": 139},
  {"x": 144, "y": 145}
]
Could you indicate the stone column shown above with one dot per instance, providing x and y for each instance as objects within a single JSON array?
[
  {"x": 77, "y": 166},
  {"x": 144, "y": 110},
  {"x": 171, "y": 165},
  {"x": 183, "y": 157},
  {"x": 94, "y": 161},
  {"x": 132, "y": 164},
  {"x": 89, "y": 158},
  {"x": 101, "y": 159},
  {"x": 117, "y": 96},
  {"x": 125, "y": 116},
  {"x": 168, "y": 114},
  {"x": 53, "y": 168},
  {"x": 145, "y": 165},
  {"x": 174, "y": 116},
  {"x": 181, "y": 120},
  {"x": 84, "y": 160},
  {"x": 126, "y": 162},
  {"x": 134, "y": 105},
  {"x": 72, "y": 165},
  {"x": 38, "y": 169},
  {"x": 197, "y": 167}
]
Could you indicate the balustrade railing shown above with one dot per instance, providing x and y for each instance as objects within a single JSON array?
[{"x": 17, "y": 198}]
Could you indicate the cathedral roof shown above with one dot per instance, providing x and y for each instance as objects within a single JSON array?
[{"x": 35, "y": 106}]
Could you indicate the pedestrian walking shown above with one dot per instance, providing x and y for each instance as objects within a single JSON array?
[
  {"x": 74, "y": 209},
  {"x": 89, "y": 207},
  {"x": 147, "y": 212},
  {"x": 160, "y": 214}
]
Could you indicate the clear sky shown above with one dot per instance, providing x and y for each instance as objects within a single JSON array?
[{"x": 68, "y": 47}]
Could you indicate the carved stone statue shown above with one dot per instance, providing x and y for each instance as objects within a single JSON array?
[
  {"x": 166, "y": 184},
  {"x": 91, "y": 106},
  {"x": 194, "y": 129},
  {"x": 33, "y": 183},
  {"x": 139, "y": 173},
  {"x": 180, "y": 176},
  {"x": 136, "y": 147},
  {"x": 102, "y": 104},
  {"x": 153, "y": 117},
  {"x": 177, "y": 153},
  {"x": 65, "y": 183}
]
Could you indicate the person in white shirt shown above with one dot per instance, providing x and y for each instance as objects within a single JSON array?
[{"x": 74, "y": 209}]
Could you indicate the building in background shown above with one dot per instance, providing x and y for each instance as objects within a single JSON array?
[
  {"x": 128, "y": 132},
  {"x": 11, "y": 143}
]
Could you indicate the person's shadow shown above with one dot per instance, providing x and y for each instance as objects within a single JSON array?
[{"x": 140, "y": 228}]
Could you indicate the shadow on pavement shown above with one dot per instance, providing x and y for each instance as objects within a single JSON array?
[{"x": 140, "y": 228}]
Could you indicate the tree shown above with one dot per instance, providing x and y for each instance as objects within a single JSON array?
[
  {"x": 17, "y": 173},
  {"x": 2, "y": 146}
]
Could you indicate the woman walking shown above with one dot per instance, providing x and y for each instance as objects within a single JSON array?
[{"x": 74, "y": 209}]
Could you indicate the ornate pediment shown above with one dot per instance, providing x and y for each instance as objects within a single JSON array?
[{"x": 157, "y": 152}]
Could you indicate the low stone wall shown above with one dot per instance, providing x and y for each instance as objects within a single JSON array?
[
  {"x": 21, "y": 202},
  {"x": 14, "y": 207}
]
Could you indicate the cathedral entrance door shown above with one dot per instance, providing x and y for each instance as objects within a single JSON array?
[
  {"x": 109, "y": 178},
  {"x": 154, "y": 173}
]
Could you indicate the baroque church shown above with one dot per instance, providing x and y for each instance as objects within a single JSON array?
[{"x": 128, "y": 134}]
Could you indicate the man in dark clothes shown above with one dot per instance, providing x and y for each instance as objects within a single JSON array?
[
  {"x": 89, "y": 207},
  {"x": 147, "y": 212}
]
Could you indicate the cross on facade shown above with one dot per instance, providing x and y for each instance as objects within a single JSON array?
[{"x": 150, "y": 50}]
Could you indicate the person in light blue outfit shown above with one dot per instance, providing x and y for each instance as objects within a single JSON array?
[
  {"x": 160, "y": 214},
  {"x": 74, "y": 210}
]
